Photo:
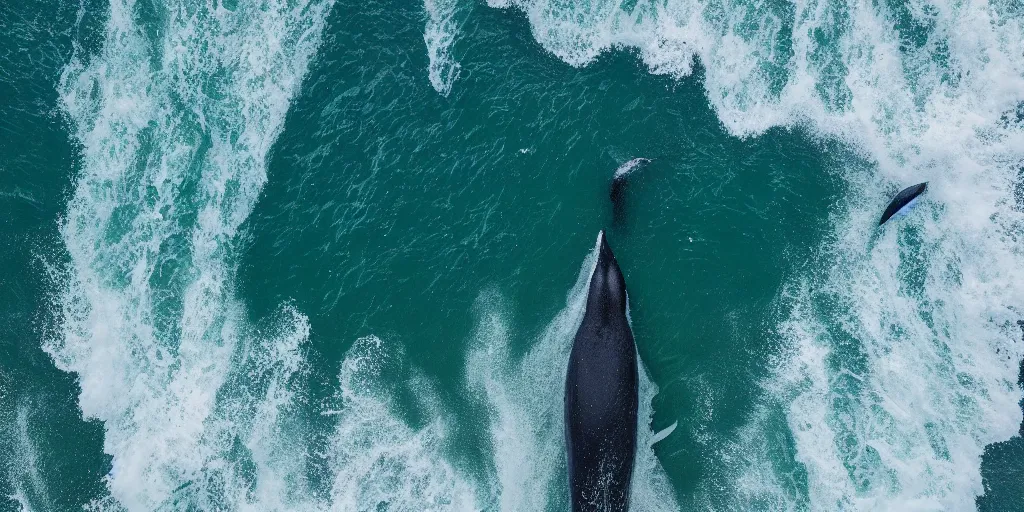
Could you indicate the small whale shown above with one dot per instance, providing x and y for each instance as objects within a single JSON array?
[
  {"x": 601, "y": 387},
  {"x": 902, "y": 199},
  {"x": 618, "y": 188}
]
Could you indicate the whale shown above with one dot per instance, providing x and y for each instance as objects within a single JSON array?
[
  {"x": 601, "y": 385},
  {"x": 902, "y": 199}
]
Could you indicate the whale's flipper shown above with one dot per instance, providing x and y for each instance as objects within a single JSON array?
[
  {"x": 905, "y": 196},
  {"x": 663, "y": 433},
  {"x": 601, "y": 386}
]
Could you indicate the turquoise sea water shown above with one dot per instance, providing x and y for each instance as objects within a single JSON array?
[{"x": 321, "y": 255}]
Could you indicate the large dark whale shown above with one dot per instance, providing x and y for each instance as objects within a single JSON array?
[
  {"x": 902, "y": 199},
  {"x": 601, "y": 395}
]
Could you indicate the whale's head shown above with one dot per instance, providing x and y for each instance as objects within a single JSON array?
[{"x": 607, "y": 286}]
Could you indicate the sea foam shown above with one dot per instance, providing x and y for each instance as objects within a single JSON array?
[
  {"x": 174, "y": 123},
  {"x": 439, "y": 36},
  {"x": 378, "y": 460},
  {"x": 21, "y": 464}
]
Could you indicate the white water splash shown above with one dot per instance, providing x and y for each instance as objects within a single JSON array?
[
  {"x": 377, "y": 459},
  {"x": 21, "y": 464},
  {"x": 439, "y": 36},
  {"x": 630, "y": 166},
  {"x": 174, "y": 132}
]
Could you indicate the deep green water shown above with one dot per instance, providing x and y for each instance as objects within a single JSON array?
[{"x": 252, "y": 259}]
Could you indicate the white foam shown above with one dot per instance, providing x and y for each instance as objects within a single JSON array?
[
  {"x": 174, "y": 135},
  {"x": 525, "y": 404},
  {"x": 379, "y": 461},
  {"x": 903, "y": 352},
  {"x": 630, "y": 166},
  {"x": 21, "y": 459},
  {"x": 439, "y": 36}
]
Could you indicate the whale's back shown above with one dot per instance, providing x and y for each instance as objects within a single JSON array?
[{"x": 601, "y": 396}]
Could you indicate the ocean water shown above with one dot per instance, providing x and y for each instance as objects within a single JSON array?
[{"x": 328, "y": 255}]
